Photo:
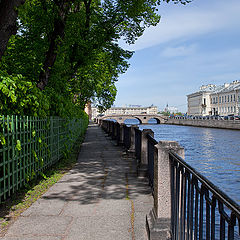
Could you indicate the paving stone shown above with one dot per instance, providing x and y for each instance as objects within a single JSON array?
[
  {"x": 96, "y": 228},
  {"x": 39, "y": 225},
  {"x": 78, "y": 209},
  {"x": 45, "y": 207},
  {"x": 32, "y": 238},
  {"x": 139, "y": 222},
  {"x": 113, "y": 208}
]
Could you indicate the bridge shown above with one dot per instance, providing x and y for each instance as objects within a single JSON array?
[{"x": 142, "y": 118}]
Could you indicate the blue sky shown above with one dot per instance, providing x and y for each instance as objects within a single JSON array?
[{"x": 192, "y": 45}]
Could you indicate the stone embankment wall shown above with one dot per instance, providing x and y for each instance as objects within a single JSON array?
[{"x": 210, "y": 123}]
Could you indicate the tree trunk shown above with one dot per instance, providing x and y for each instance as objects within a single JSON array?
[
  {"x": 8, "y": 18},
  {"x": 51, "y": 54}
]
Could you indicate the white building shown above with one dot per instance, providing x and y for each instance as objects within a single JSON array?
[
  {"x": 226, "y": 101},
  {"x": 215, "y": 100},
  {"x": 126, "y": 111},
  {"x": 199, "y": 102},
  {"x": 170, "y": 109}
]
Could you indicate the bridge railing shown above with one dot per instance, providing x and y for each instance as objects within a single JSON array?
[{"x": 186, "y": 204}]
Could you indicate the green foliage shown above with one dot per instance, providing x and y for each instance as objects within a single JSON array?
[
  {"x": 2, "y": 139},
  {"x": 71, "y": 47},
  {"x": 21, "y": 97},
  {"x": 179, "y": 114},
  {"x": 165, "y": 113},
  {"x": 18, "y": 146}
]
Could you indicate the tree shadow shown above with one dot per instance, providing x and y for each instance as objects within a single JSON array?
[{"x": 103, "y": 172}]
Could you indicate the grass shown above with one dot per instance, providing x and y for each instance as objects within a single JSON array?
[{"x": 24, "y": 198}]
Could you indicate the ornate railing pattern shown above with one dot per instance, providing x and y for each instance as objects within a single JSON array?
[{"x": 200, "y": 210}]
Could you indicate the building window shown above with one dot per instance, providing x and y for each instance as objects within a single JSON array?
[
  {"x": 231, "y": 98},
  {"x": 204, "y": 101},
  {"x": 222, "y": 98},
  {"x": 228, "y": 109},
  {"x": 231, "y": 109},
  {"x": 234, "y": 108},
  {"x": 234, "y": 98},
  {"x": 228, "y": 98},
  {"x": 211, "y": 100},
  {"x": 225, "y": 98},
  {"x": 219, "y": 99}
]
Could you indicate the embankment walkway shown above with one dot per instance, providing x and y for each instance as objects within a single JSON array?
[{"x": 100, "y": 198}]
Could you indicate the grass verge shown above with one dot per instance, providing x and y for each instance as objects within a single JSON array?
[{"x": 25, "y": 197}]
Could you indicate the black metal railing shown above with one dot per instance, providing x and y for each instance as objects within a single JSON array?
[
  {"x": 138, "y": 144},
  {"x": 151, "y": 150},
  {"x": 199, "y": 209}
]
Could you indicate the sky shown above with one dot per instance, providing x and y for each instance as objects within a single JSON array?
[{"x": 193, "y": 45}]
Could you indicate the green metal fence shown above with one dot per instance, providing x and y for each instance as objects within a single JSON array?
[{"x": 29, "y": 145}]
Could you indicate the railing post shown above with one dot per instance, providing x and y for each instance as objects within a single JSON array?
[
  {"x": 114, "y": 130},
  {"x": 143, "y": 167},
  {"x": 117, "y": 132},
  {"x": 131, "y": 150},
  {"x": 159, "y": 218},
  {"x": 121, "y": 134},
  {"x": 108, "y": 127}
]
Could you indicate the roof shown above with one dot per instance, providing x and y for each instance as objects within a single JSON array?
[{"x": 214, "y": 89}]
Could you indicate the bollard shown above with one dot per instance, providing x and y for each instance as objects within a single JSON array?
[
  {"x": 131, "y": 150},
  {"x": 143, "y": 167},
  {"x": 159, "y": 219},
  {"x": 121, "y": 134}
]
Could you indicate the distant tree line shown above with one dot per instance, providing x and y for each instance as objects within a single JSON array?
[{"x": 56, "y": 55}]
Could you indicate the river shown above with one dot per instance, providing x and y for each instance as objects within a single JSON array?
[{"x": 215, "y": 153}]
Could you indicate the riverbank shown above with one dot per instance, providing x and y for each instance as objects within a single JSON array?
[{"x": 209, "y": 123}]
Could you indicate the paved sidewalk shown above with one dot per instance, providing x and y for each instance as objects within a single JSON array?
[{"x": 100, "y": 198}]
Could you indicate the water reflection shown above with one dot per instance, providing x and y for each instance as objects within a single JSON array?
[{"x": 213, "y": 152}]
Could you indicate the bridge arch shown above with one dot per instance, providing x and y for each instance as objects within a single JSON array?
[
  {"x": 142, "y": 118},
  {"x": 158, "y": 121},
  {"x": 132, "y": 118},
  {"x": 111, "y": 119}
]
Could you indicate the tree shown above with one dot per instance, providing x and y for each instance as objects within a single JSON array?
[
  {"x": 8, "y": 21},
  {"x": 69, "y": 49}
]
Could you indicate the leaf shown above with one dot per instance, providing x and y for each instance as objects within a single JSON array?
[
  {"x": 33, "y": 133},
  {"x": 18, "y": 146},
  {"x": 35, "y": 156},
  {"x": 2, "y": 139}
]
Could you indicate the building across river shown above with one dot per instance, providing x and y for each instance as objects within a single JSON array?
[
  {"x": 215, "y": 100},
  {"x": 131, "y": 110}
]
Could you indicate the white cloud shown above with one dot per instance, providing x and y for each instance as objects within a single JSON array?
[
  {"x": 189, "y": 22},
  {"x": 179, "y": 51}
]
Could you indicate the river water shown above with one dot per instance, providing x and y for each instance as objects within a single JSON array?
[{"x": 215, "y": 153}]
